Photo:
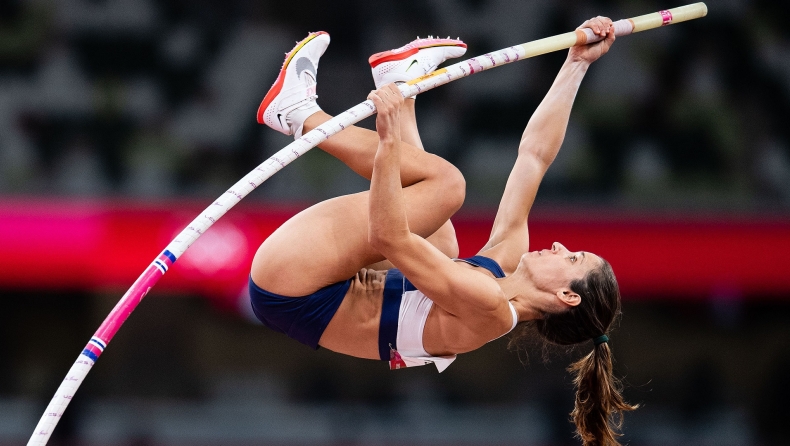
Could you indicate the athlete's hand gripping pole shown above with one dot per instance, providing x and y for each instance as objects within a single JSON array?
[{"x": 289, "y": 153}]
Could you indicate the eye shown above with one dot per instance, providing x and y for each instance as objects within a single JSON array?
[{"x": 573, "y": 259}]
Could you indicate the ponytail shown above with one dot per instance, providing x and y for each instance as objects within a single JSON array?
[{"x": 599, "y": 408}]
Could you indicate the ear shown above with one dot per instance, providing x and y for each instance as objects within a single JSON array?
[{"x": 569, "y": 297}]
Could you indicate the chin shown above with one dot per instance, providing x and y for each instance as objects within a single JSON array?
[
  {"x": 529, "y": 254},
  {"x": 524, "y": 265}
]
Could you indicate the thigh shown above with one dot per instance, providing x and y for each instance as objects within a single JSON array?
[
  {"x": 443, "y": 239},
  {"x": 356, "y": 147},
  {"x": 328, "y": 242}
]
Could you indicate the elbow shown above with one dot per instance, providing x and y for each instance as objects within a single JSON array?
[
  {"x": 380, "y": 241},
  {"x": 375, "y": 240},
  {"x": 540, "y": 156}
]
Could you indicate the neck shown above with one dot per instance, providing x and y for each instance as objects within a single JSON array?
[{"x": 524, "y": 296}]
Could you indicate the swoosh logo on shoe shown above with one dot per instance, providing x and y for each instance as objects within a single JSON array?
[
  {"x": 304, "y": 64},
  {"x": 279, "y": 118},
  {"x": 411, "y": 64}
]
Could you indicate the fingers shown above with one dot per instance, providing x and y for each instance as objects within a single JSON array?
[
  {"x": 610, "y": 37},
  {"x": 600, "y": 25},
  {"x": 387, "y": 98},
  {"x": 392, "y": 94},
  {"x": 607, "y": 43},
  {"x": 377, "y": 101},
  {"x": 603, "y": 29}
]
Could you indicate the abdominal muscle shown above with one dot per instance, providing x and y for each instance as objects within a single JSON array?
[{"x": 354, "y": 329}]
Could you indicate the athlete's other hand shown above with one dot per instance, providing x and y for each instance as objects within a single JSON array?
[
  {"x": 601, "y": 26},
  {"x": 387, "y": 100}
]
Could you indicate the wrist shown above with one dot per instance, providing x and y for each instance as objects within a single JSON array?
[
  {"x": 388, "y": 141},
  {"x": 577, "y": 62}
]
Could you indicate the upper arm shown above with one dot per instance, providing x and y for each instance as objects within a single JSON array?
[
  {"x": 510, "y": 225},
  {"x": 539, "y": 146},
  {"x": 456, "y": 289}
]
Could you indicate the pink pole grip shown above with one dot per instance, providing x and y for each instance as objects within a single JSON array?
[{"x": 128, "y": 303}]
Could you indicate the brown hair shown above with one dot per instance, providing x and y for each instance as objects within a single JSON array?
[{"x": 598, "y": 412}]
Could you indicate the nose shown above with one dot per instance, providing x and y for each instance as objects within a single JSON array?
[{"x": 557, "y": 247}]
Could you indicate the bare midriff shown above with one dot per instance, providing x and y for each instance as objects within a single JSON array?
[{"x": 354, "y": 330}]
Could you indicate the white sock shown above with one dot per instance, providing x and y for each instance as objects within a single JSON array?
[{"x": 299, "y": 115}]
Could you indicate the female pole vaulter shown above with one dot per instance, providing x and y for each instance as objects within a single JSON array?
[{"x": 324, "y": 277}]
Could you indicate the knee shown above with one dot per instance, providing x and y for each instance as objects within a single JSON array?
[{"x": 453, "y": 186}]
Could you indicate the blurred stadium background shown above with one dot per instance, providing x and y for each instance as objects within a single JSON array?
[{"x": 121, "y": 119}]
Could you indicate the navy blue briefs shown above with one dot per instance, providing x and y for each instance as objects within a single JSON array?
[
  {"x": 302, "y": 318},
  {"x": 305, "y": 318}
]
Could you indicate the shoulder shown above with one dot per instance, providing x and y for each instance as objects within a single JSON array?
[
  {"x": 507, "y": 253},
  {"x": 491, "y": 294}
]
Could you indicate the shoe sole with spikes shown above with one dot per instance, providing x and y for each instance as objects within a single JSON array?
[{"x": 415, "y": 59}]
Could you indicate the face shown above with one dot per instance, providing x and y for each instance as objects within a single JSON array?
[{"x": 552, "y": 270}]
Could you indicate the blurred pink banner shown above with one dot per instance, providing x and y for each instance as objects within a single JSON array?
[{"x": 88, "y": 245}]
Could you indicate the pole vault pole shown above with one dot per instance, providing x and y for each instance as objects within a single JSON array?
[{"x": 157, "y": 268}]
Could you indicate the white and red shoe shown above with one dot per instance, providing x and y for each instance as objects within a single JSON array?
[
  {"x": 292, "y": 98},
  {"x": 415, "y": 59}
]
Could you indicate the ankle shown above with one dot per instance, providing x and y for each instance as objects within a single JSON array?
[
  {"x": 315, "y": 120},
  {"x": 298, "y": 117}
]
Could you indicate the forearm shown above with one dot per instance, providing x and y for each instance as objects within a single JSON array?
[
  {"x": 387, "y": 222},
  {"x": 546, "y": 129}
]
